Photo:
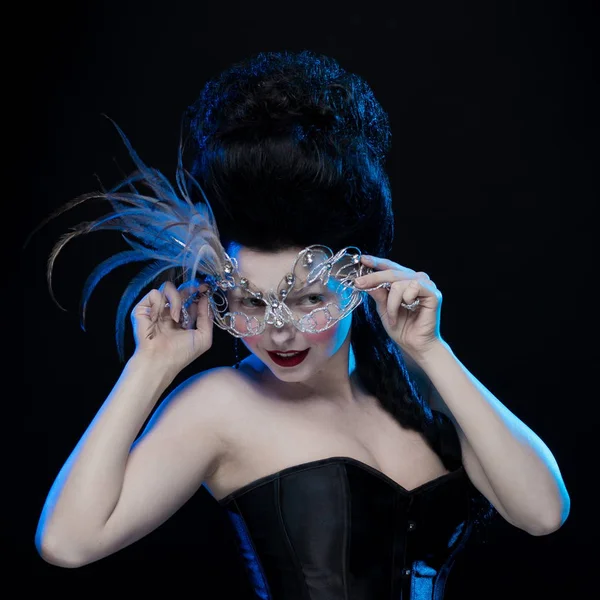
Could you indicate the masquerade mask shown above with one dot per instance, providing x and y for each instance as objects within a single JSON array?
[
  {"x": 169, "y": 230},
  {"x": 317, "y": 292}
]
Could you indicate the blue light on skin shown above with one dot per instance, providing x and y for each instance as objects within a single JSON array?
[{"x": 327, "y": 366}]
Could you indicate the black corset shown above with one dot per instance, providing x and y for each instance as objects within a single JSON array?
[{"x": 338, "y": 529}]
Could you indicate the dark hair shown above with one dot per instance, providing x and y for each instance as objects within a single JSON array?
[{"x": 290, "y": 150}]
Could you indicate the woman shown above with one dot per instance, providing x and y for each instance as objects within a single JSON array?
[{"x": 359, "y": 464}]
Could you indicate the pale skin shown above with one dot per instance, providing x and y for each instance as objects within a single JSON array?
[
  {"x": 504, "y": 458},
  {"x": 112, "y": 491}
]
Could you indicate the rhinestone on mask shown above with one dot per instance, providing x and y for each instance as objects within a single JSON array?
[{"x": 275, "y": 302}]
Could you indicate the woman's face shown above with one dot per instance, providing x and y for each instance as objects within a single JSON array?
[{"x": 266, "y": 270}]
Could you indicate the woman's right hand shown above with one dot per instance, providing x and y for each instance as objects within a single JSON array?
[{"x": 161, "y": 332}]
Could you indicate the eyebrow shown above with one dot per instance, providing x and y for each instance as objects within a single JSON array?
[
  {"x": 238, "y": 293},
  {"x": 316, "y": 286}
]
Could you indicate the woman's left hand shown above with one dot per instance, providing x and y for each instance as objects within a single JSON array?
[{"x": 416, "y": 330}]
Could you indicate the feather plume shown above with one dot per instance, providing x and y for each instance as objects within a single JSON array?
[{"x": 161, "y": 225}]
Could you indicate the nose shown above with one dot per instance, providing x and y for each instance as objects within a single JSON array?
[{"x": 281, "y": 336}]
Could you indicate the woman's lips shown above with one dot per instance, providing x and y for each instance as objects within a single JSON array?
[{"x": 294, "y": 360}]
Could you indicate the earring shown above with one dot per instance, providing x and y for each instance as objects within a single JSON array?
[{"x": 236, "y": 350}]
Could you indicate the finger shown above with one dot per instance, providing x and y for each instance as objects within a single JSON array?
[
  {"x": 202, "y": 310},
  {"x": 381, "y": 264},
  {"x": 170, "y": 292},
  {"x": 191, "y": 293},
  {"x": 380, "y": 296},
  {"x": 151, "y": 305},
  {"x": 204, "y": 316},
  {"x": 389, "y": 275},
  {"x": 424, "y": 278},
  {"x": 412, "y": 292},
  {"x": 399, "y": 291},
  {"x": 409, "y": 291},
  {"x": 189, "y": 310},
  {"x": 189, "y": 288}
]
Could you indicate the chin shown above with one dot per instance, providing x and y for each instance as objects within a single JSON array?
[
  {"x": 289, "y": 377},
  {"x": 289, "y": 372}
]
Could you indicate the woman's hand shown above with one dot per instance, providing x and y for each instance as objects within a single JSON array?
[
  {"x": 414, "y": 329},
  {"x": 173, "y": 325}
]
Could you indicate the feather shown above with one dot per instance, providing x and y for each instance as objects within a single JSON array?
[
  {"x": 103, "y": 269},
  {"x": 159, "y": 222}
]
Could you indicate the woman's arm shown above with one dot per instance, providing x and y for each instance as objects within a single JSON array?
[
  {"x": 504, "y": 458},
  {"x": 107, "y": 495}
]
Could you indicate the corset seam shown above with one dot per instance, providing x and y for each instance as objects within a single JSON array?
[
  {"x": 292, "y": 552},
  {"x": 408, "y": 563},
  {"x": 393, "y": 559},
  {"x": 347, "y": 529}
]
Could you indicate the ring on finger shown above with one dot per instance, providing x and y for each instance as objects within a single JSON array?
[
  {"x": 184, "y": 319},
  {"x": 412, "y": 306},
  {"x": 191, "y": 298}
]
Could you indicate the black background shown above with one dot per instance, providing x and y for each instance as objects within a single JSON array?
[{"x": 493, "y": 110}]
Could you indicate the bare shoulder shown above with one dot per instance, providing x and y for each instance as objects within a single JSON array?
[
  {"x": 222, "y": 403},
  {"x": 198, "y": 413},
  {"x": 207, "y": 393}
]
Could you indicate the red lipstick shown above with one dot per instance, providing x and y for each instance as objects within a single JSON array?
[{"x": 292, "y": 361}]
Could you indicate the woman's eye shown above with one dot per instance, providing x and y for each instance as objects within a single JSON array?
[
  {"x": 311, "y": 299},
  {"x": 316, "y": 298},
  {"x": 252, "y": 303}
]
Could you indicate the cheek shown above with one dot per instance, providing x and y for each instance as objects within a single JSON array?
[
  {"x": 324, "y": 337},
  {"x": 251, "y": 341}
]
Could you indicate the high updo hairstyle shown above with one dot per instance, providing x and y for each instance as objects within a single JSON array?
[{"x": 290, "y": 150}]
